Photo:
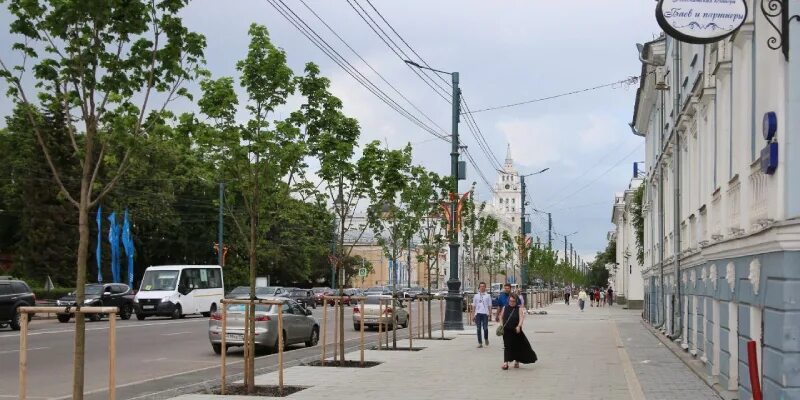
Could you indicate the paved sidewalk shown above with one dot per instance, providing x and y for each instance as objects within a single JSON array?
[{"x": 602, "y": 353}]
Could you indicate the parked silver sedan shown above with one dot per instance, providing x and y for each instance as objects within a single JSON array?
[
  {"x": 372, "y": 309},
  {"x": 298, "y": 326}
]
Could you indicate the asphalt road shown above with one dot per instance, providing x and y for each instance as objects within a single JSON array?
[{"x": 153, "y": 356}]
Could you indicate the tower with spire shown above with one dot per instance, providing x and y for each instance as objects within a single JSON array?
[{"x": 508, "y": 194}]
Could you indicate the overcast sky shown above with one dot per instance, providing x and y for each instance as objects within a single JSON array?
[{"x": 506, "y": 52}]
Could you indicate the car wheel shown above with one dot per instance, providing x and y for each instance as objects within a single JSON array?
[
  {"x": 177, "y": 312},
  {"x": 63, "y": 318},
  {"x": 15, "y": 321},
  {"x": 314, "y": 305},
  {"x": 357, "y": 327},
  {"x": 314, "y": 339},
  {"x": 95, "y": 317},
  {"x": 217, "y": 348},
  {"x": 141, "y": 317},
  {"x": 125, "y": 312}
]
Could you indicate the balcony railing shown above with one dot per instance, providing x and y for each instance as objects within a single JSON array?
[
  {"x": 734, "y": 208},
  {"x": 716, "y": 216},
  {"x": 758, "y": 198}
]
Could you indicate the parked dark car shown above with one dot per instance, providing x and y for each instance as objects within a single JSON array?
[
  {"x": 13, "y": 295},
  {"x": 412, "y": 292},
  {"x": 319, "y": 292},
  {"x": 304, "y": 297},
  {"x": 378, "y": 291},
  {"x": 100, "y": 295},
  {"x": 244, "y": 291}
]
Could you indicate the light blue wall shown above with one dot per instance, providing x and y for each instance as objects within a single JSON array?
[
  {"x": 779, "y": 299},
  {"x": 791, "y": 164}
]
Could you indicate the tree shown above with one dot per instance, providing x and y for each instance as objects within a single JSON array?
[
  {"x": 106, "y": 61},
  {"x": 262, "y": 159},
  {"x": 637, "y": 210}
]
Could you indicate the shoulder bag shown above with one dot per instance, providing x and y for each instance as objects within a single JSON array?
[{"x": 501, "y": 328}]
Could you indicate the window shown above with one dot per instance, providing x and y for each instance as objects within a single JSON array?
[
  {"x": 117, "y": 289},
  {"x": 19, "y": 287},
  {"x": 5, "y": 288},
  {"x": 214, "y": 278},
  {"x": 159, "y": 280},
  {"x": 513, "y": 201},
  {"x": 287, "y": 308}
]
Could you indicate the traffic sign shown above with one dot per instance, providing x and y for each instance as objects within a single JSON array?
[{"x": 362, "y": 272}]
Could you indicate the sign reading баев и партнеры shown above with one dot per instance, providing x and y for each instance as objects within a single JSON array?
[{"x": 700, "y": 21}]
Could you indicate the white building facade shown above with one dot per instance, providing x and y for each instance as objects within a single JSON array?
[
  {"x": 626, "y": 274},
  {"x": 722, "y": 218}
]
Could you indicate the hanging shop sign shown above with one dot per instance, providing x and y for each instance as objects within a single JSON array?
[{"x": 700, "y": 21}]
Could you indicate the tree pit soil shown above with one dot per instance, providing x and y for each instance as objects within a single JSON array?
[
  {"x": 262, "y": 390},
  {"x": 347, "y": 364},
  {"x": 397, "y": 349}
]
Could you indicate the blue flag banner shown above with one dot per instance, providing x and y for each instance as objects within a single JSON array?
[
  {"x": 113, "y": 240},
  {"x": 99, "y": 244},
  {"x": 127, "y": 244}
]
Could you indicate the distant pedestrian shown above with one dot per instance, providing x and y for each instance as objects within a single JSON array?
[
  {"x": 517, "y": 348},
  {"x": 520, "y": 300},
  {"x": 582, "y": 296},
  {"x": 597, "y": 297},
  {"x": 567, "y": 293},
  {"x": 502, "y": 300},
  {"x": 482, "y": 309},
  {"x": 610, "y": 296},
  {"x": 602, "y": 302}
]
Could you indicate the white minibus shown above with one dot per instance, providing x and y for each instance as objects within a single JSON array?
[{"x": 178, "y": 290}]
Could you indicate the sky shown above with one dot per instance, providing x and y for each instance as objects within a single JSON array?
[{"x": 506, "y": 52}]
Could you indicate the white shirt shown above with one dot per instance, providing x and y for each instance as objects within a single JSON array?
[{"x": 482, "y": 303}]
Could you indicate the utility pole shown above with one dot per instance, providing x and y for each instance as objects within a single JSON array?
[
  {"x": 523, "y": 271},
  {"x": 453, "y": 319},
  {"x": 220, "y": 228},
  {"x": 550, "y": 231},
  {"x": 572, "y": 256},
  {"x": 408, "y": 260},
  {"x": 566, "y": 253}
]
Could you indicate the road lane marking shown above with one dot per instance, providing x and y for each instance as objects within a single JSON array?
[
  {"x": 29, "y": 349},
  {"x": 175, "y": 333},
  {"x": 132, "y": 325}
]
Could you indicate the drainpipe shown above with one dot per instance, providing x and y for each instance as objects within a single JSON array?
[
  {"x": 677, "y": 322},
  {"x": 656, "y": 62}
]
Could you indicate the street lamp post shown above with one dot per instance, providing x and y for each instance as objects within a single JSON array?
[
  {"x": 522, "y": 231},
  {"x": 453, "y": 319}
]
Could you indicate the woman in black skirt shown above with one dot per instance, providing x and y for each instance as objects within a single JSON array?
[{"x": 517, "y": 347}]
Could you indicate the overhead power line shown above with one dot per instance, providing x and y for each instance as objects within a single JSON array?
[
  {"x": 632, "y": 80},
  {"x": 593, "y": 181},
  {"x": 371, "y": 68},
  {"x": 334, "y": 55},
  {"x": 472, "y": 125}
]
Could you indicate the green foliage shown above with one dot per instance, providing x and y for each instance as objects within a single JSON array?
[
  {"x": 637, "y": 209},
  {"x": 52, "y": 294},
  {"x": 598, "y": 273}
]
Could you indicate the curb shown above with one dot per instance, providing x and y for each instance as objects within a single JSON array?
[{"x": 695, "y": 365}]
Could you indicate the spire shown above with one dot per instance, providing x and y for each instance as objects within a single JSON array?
[{"x": 509, "y": 161}]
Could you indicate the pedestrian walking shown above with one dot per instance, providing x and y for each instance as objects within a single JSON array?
[
  {"x": 602, "y": 302},
  {"x": 517, "y": 348},
  {"x": 582, "y": 296},
  {"x": 610, "y": 296},
  {"x": 502, "y": 300},
  {"x": 567, "y": 294},
  {"x": 481, "y": 310}
]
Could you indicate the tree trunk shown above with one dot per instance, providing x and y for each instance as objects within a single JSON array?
[
  {"x": 83, "y": 254},
  {"x": 341, "y": 281},
  {"x": 251, "y": 315},
  {"x": 80, "y": 285}
]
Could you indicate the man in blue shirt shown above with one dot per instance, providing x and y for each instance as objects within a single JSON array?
[{"x": 502, "y": 300}]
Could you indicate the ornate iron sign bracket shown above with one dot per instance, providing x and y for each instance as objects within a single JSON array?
[{"x": 778, "y": 10}]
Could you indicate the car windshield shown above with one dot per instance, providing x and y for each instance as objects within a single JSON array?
[
  {"x": 298, "y": 292},
  {"x": 320, "y": 290},
  {"x": 374, "y": 300},
  {"x": 93, "y": 289},
  {"x": 159, "y": 280},
  {"x": 245, "y": 290},
  {"x": 375, "y": 289},
  {"x": 239, "y": 308}
]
